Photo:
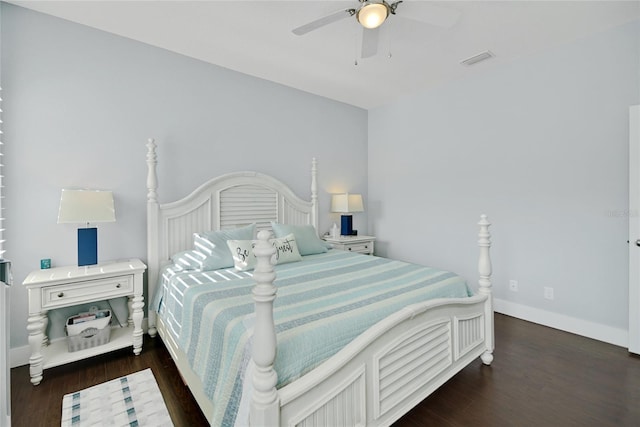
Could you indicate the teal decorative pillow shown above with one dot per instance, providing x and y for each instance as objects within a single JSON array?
[
  {"x": 308, "y": 241},
  {"x": 188, "y": 260},
  {"x": 244, "y": 258},
  {"x": 213, "y": 244}
]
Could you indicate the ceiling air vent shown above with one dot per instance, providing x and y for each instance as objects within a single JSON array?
[{"x": 478, "y": 58}]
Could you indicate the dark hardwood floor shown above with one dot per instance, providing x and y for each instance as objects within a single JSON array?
[{"x": 539, "y": 377}]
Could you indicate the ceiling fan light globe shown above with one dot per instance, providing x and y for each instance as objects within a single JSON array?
[{"x": 372, "y": 15}]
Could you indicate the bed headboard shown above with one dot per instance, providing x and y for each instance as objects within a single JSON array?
[{"x": 227, "y": 201}]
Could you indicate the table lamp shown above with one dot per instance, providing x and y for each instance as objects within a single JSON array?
[
  {"x": 346, "y": 204},
  {"x": 86, "y": 206}
]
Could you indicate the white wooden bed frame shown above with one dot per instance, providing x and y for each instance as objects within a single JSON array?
[{"x": 375, "y": 379}]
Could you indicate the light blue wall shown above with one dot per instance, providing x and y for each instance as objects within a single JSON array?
[
  {"x": 80, "y": 105},
  {"x": 540, "y": 145}
]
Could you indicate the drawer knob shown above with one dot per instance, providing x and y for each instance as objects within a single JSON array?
[
  {"x": 349, "y": 248},
  {"x": 366, "y": 246},
  {"x": 118, "y": 286},
  {"x": 61, "y": 294}
]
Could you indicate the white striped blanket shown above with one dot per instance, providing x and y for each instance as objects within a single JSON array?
[{"x": 322, "y": 304}]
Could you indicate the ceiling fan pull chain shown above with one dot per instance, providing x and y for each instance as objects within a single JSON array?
[
  {"x": 389, "y": 33},
  {"x": 356, "y": 48}
]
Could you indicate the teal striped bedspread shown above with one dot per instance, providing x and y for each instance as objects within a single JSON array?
[{"x": 322, "y": 304}]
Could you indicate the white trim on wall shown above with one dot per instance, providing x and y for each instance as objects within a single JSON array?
[
  {"x": 596, "y": 331},
  {"x": 19, "y": 356}
]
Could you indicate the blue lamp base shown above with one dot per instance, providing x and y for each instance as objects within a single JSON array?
[
  {"x": 87, "y": 246},
  {"x": 346, "y": 225}
]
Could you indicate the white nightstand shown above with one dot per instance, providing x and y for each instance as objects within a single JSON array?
[
  {"x": 67, "y": 286},
  {"x": 361, "y": 244}
]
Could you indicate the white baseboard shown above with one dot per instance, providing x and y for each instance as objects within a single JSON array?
[
  {"x": 596, "y": 331},
  {"x": 19, "y": 356}
]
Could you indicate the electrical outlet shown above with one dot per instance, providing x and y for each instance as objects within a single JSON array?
[
  {"x": 548, "y": 293},
  {"x": 513, "y": 285}
]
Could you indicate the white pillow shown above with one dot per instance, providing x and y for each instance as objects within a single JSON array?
[
  {"x": 244, "y": 259},
  {"x": 286, "y": 249},
  {"x": 242, "y": 253}
]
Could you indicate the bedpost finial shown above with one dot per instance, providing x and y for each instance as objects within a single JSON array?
[
  {"x": 264, "y": 235},
  {"x": 151, "y": 148},
  {"x": 484, "y": 236},
  {"x": 152, "y": 179},
  {"x": 484, "y": 261},
  {"x": 314, "y": 193}
]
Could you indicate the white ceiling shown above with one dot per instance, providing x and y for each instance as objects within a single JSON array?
[{"x": 255, "y": 38}]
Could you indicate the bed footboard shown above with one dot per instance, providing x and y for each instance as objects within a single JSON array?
[{"x": 383, "y": 373}]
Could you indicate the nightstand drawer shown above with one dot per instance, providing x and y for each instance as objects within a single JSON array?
[
  {"x": 364, "y": 248},
  {"x": 359, "y": 244},
  {"x": 86, "y": 291}
]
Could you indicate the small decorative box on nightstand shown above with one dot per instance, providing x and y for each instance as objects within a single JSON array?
[
  {"x": 68, "y": 286},
  {"x": 360, "y": 244}
]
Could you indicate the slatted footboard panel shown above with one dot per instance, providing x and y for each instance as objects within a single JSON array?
[
  {"x": 469, "y": 332},
  {"x": 417, "y": 355},
  {"x": 344, "y": 406},
  {"x": 405, "y": 365}
]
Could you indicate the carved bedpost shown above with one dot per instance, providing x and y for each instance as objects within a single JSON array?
[
  {"x": 265, "y": 402},
  {"x": 484, "y": 268},
  {"x": 152, "y": 230},
  {"x": 314, "y": 193}
]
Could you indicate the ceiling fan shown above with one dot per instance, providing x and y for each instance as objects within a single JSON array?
[{"x": 371, "y": 14}]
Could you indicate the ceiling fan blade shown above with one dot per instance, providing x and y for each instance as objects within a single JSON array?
[
  {"x": 326, "y": 20},
  {"x": 440, "y": 16},
  {"x": 370, "y": 41}
]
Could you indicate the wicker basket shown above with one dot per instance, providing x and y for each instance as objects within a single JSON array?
[{"x": 90, "y": 333}]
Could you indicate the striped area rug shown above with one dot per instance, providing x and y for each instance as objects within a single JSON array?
[{"x": 132, "y": 401}]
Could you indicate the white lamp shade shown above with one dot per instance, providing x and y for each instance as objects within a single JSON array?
[
  {"x": 347, "y": 203},
  {"x": 84, "y": 206}
]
